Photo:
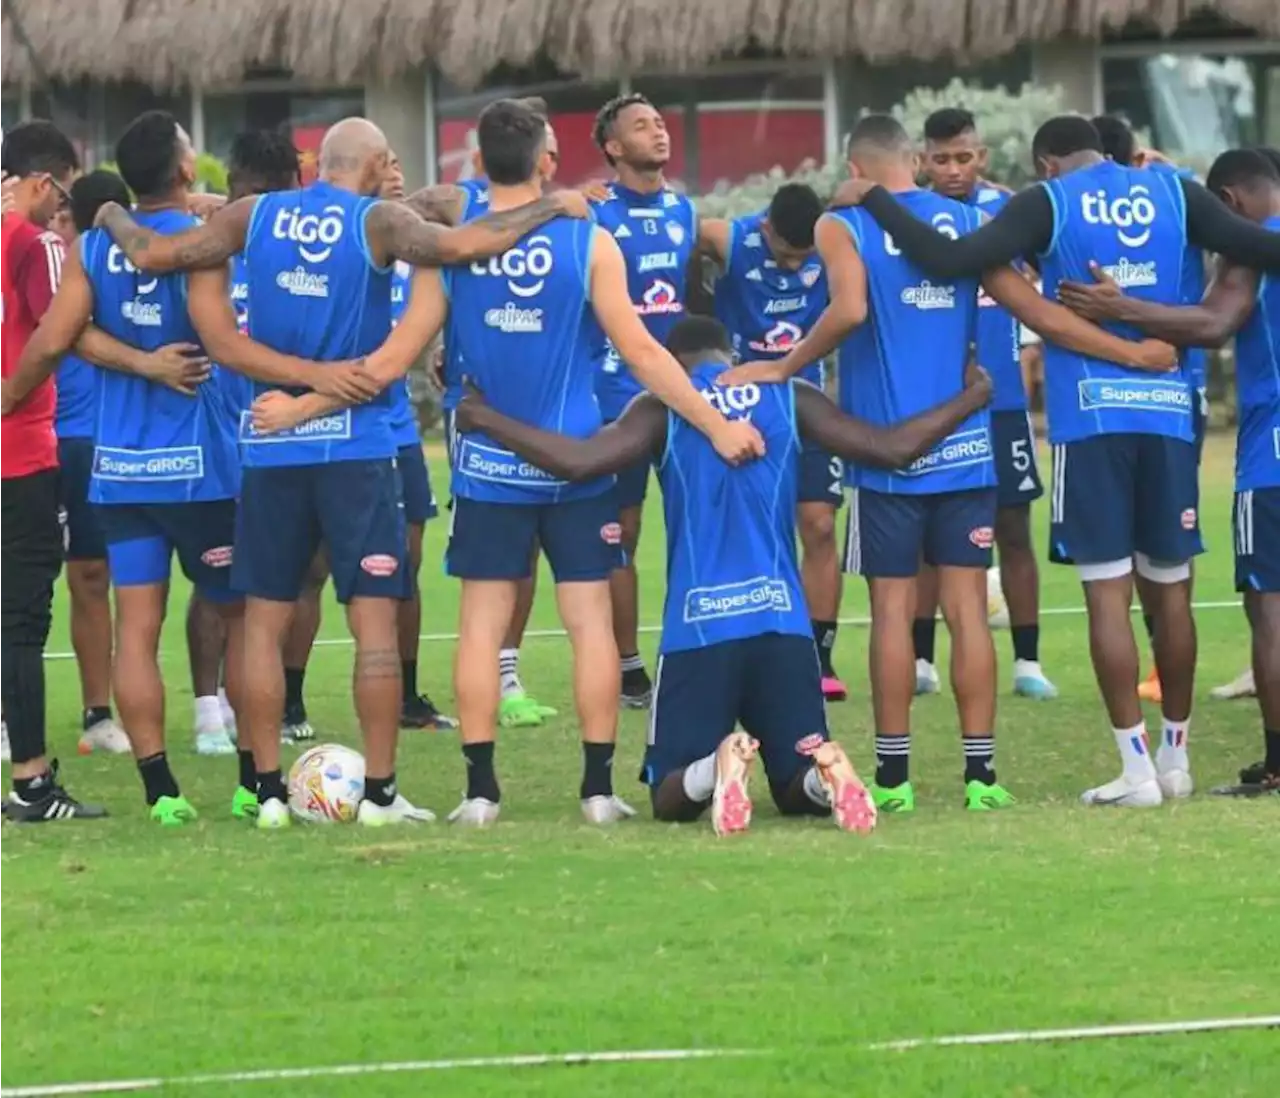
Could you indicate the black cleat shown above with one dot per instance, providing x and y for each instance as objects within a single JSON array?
[
  {"x": 420, "y": 712},
  {"x": 1253, "y": 775},
  {"x": 52, "y": 803},
  {"x": 637, "y": 690},
  {"x": 1264, "y": 785}
]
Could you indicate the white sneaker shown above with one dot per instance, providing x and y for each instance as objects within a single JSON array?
[
  {"x": 1242, "y": 686},
  {"x": 104, "y": 736},
  {"x": 273, "y": 815},
  {"x": 5, "y": 754},
  {"x": 398, "y": 811},
  {"x": 476, "y": 812},
  {"x": 1126, "y": 793},
  {"x": 1175, "y": 783},
  {"x": 927, "y": 681},
  {"x": 214, "y": 741},
  {"x": 730, "y": 802},
  {"x": 606, "y": 810}
]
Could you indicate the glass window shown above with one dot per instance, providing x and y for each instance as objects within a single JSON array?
[{"x": 307, "y": 113}]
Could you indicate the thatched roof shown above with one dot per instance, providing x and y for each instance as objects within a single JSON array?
[{"x": 172, "y": 42}]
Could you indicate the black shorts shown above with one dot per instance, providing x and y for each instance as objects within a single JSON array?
[
  {"x": 30, "y": 555},
  {"x": 85, "y": 538}
]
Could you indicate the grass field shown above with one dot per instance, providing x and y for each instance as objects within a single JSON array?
[{"x": 133, "y": 952}]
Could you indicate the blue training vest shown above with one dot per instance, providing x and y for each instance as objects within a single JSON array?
[{"x": 1258, "y": 388}]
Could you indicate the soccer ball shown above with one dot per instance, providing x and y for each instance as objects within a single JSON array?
[
  {"x": 326, "y": 784},
  {"x": 997, "y": 608}
]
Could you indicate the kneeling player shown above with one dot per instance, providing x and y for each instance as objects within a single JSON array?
[{"x": 736, "y": 642}]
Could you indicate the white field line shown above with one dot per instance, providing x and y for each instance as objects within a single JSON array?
[
  {"x": 543, "y": 634},
  {"x": 572, "y": 1059}
]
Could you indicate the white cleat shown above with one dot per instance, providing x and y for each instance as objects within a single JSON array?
[
  {"x": 1126, "y": 793},
  {"x": 475, "y": 812},
  {"x": 1175, "y": 783},
  {"x": 606, "y": 810},
  {"x": 214, "y": 741},
  {"x": 397, "y": 812},
  {"x": 1242, "y": 686},
  {"x": 5, "y": 753},
  {"x": 927, "y": 681},
  {"x": 731, "y": 801},
  {"x": 104, "y": 736},
  {"x": 273, "y": 815}
]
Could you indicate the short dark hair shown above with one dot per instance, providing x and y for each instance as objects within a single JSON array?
[
  {"x": 147, "y": 153},
  {"x": 882, "y": 131},
  {"x": 263, "y": 160},
  {"x": 949, "y": 123},
  {"x": 793, "y": 212},
  {"x": 91, "y": 192},
  {"x": 1241, "y": 167},
  {"x": 1065, "y": 135},
  {"x": 607, "y": 115},
  {"x": 536, "y": 104},
  {"x": 511, "y": 138},
  {"x": 694, "y": 334},
  {"x": 1118, "y": 142},
  {"x": 38, "y": 146},
  {"x": 1273, "y": 155}
]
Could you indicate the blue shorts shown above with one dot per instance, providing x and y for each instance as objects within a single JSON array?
[
  {"x": 632, "y": 485},
  {"x": 769, "y": 684},
  {"x": 581, "y": 539},
  {"x": 82, "y": 528},
  {"x": 415, "y": 483},
  {"x": 353, "y": 507},
  {"x": 821, "y": 476},
  {"x": 1256, "y": 521},
  {"x": 1116, "y": 495},
  {"x": 888, "y": 535},
  {"x": 1200, "y": 421},
  {"x": 1014, "y": 442},
  {"x": 142, "y": 538}
]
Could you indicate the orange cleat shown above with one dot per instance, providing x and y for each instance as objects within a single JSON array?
[{"x": 1149, "y": 688}]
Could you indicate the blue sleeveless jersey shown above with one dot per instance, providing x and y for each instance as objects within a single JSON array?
[
  {"x": 767, "y": 309},
  {"x": 657, "y": 234},
  {"x": 1258, "y": 387},
  {"x": 237, "y": 390},
  {"x": 477, "y": 205},
  {"x": 404, "y": 423},
  {"x": 998, "y": 330},
  {"x": 1133, "y": 223},
  {"x": 731, "y": 532},
  {"x": 77, "y": 398},
  {"x": 523, "y": 325},
  {"x": 153, "y": 445},
  {"x": 315, "y": 292},
  {"x": 912, "y": 351}
]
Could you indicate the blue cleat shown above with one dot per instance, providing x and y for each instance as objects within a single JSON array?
[{"x": 1030, "y": 682}]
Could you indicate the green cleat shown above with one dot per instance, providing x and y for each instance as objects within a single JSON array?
[
  {"x": 244, "y": 803},
  {"x": 899, "y": 798},
  {"x": 981, "y": 797},
  {"x": 173, "y": 811},
  {"x": 521, "y": 711}
]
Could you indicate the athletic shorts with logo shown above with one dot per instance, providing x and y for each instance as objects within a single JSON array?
[
  {"x": 84, "y": 536},
  {"x": 1255, "y": 518},
  {"x": 821, "y": 476},
  {"x": 1117, "y": 495},
  {"x": 887, "y": 536},
  {"x": 415, "y": 482},
  {"x": 353, "y": 507},
  {"x": 769, "y": 684},
  {"x": 142, "y": 539},
  {"x": 1200, "y": 421},
  {"x": 1017, "y": 476}
]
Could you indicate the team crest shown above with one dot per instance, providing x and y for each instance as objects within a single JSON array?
[
  {"x": 809, "y": 276},
  {"x": 676, "y": 231}
]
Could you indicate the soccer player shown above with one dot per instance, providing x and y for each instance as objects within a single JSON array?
[
  {"x": 955, "y": 162},
  {"x": 1241, "y": 303},
  {"x": 318, "y": 265},
  {"x": 1125, "y": 492},
  {"x": 736, "y": 643},
  {"x": 657, "y": 231},
  {"x": 770, "y": 291},
  {"x": 910, "y": 353}
]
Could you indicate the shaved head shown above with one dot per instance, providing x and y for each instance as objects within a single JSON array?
[
  {"x": 881, "y": 149},
  {"x": 355, "y": 152}
]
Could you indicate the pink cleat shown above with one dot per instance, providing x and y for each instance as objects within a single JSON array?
[
  {"x": 731, "y": 803},
  {"x": 852, "y": 808},
  {"x": 833, "y": 690}
]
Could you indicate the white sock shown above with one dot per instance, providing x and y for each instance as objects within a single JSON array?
[
  {"x": 814, "y": 789},
  {"x": 1134, "y": 753},
  {"x": 700, "y": 779},
  {"x": 1027, "y": 669},
  {"x": 209, "y": 714},
  {"x": 1172, "y": 753},
  {"x": 509, "y": 670}
]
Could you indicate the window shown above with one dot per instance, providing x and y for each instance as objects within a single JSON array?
[{"x": 307, "y": 113}]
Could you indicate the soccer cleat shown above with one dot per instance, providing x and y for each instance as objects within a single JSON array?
[
  {"x": 475, "y": 812},
  {"x": 52, "y": 804},
  {"x": 228, "y": 716},
  {"x": 521, "y": 711},
  {"x": 173, "y": 811},
  {"x": 896, "y": 799},
  {"x": 730, "y": 801},
  {"x": 420, "y": 712},
  {"x": 1242, "y": 686},
  {"x": 1149, "y": 688},
  {"x": 927, "y": 681},
  {"x": 606, "y": 810},
  {"x": 104, "y": 736},
  {"x": 1125, "y": 793},
  {"x": 852, "y": 806},
  {"x": 1175, "y": 783},
  {"x": 397, "y": 812},
  {"x": 1254, "y": 773},
  {"x": 637, "y": 689},
  {"x": 1029, "y": 681},
  {"x": 214, "y": 742},
  {"x": 273, "y": 814},
  {"x": 244, "y": 803},
  {"x": 296, "y": 728},
  {"x": 1263, "y": 784},
  {"x": 833, "y": 690},
  {"x": 981, "y": 797}
]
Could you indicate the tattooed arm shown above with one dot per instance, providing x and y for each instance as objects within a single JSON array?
[
  {"x": 440, "y": 205},
  {"x": 208, "y": 245}
]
